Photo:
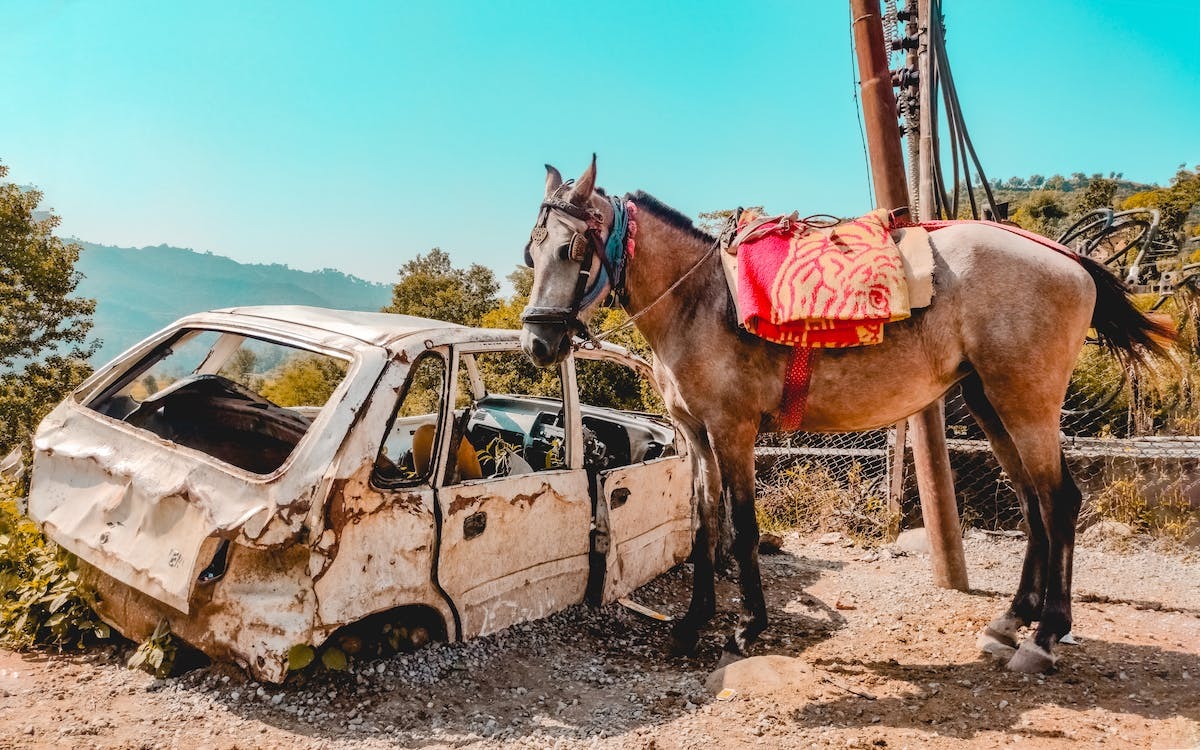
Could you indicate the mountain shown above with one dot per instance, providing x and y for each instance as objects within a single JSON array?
[{"x": 139, "y": 291}]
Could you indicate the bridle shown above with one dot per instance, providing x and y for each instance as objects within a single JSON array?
[{"x": 583, "y": 248}]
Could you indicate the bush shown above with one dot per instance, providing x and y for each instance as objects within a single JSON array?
[
  {"x": 808, "y": 496},
  {"x": 42, "y": 601}
]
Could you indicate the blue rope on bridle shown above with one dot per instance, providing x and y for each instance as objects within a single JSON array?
[{"x": 613, "y": 261}]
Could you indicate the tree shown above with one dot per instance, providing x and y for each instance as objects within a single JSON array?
[
  {"x": 305, "y": 381},
  {"x": 507, "y": 313},
  {"x": 430, "y": 286},
  {"x": 1056, "y": 182},
  {"x": 1175, "y": 203},
  {"x": 43, "y": 328},
  {"x": 1099, "y": 193},
  {"x": 1036, "y": 181},
  {"x": 1042, "y": 212}
]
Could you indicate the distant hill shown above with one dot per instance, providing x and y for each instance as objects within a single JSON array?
[{"x": 138, "y": 291}]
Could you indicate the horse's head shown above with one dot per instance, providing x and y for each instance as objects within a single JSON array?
[{"x": 574, "y": 264}]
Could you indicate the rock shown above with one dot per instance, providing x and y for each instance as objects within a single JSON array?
[
  {"x": 770, "y": 544},
  {"x": 914, "y": 540},
  {"x": 758, "y": 674},
  {"x": 1105, "y": 531},
  {"x": 832, "y": 537}
]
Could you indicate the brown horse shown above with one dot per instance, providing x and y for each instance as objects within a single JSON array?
[{"x": 1008, "y": 319}]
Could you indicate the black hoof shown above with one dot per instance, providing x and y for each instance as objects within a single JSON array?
[{"x": 684, "y": 640}]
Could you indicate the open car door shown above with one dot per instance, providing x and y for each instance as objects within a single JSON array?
[{"x": 645, "y": 485}]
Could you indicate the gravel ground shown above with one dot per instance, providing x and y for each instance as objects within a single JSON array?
[{"x": 875, "y": 657}]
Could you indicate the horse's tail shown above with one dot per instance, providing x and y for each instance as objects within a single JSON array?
[{"x": 1132, "y": 335}]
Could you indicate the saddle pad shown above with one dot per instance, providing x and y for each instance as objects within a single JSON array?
[{"x": 809, "y": 286}]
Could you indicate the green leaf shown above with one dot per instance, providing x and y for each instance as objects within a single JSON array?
[
  {"x": 300, "y": 656},
  {"x": 138, "y": 658},
  {"x": 102, "y": 631},
  {"x": 334, "y": 659},
  {"x": 60, "y": 600}
]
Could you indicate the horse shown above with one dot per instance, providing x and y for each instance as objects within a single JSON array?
[{"x": 1008, "y": 318}]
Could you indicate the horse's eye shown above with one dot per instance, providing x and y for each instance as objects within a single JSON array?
[{"x": 564, "y": 252}]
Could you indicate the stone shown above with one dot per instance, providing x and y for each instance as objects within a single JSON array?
[
  {"x": 770, "y": 544},
  {"x": 914, "y": 540},
  {"x": 758, "y": 674}
]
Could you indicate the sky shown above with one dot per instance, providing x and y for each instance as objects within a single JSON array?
[{"x": 354, "y": 135}]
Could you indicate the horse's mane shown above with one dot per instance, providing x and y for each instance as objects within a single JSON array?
[{"x": 662, "y": 211}]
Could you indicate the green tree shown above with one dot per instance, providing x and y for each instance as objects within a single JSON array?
[
  {"x": 43, "y": 328},
  {"x": 430, "y": 286},
  {"x": 507, "y": 313},
  {"x": 305, "y": 381},
  {"x": 1042, "y": 212},
  {"x": 1099, "y": 193},
  {"x": 1175, "y": 203}
]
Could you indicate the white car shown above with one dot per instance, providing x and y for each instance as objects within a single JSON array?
[{"x": 267, "y": 477}]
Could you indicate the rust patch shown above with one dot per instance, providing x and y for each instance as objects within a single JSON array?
[{"x": 461, "y": 503}]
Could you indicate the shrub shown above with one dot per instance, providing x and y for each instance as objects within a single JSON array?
[
  {"x": 808, "y": 496},
  {"x": 42, "y": 601}
]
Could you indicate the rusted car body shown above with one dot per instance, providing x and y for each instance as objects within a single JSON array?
[{"x": 397, "y": 478}]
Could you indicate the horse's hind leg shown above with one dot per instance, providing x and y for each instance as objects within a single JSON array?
[
  {"x": 1028, "y": 409},
  {"x": 1060, "y": 511},
  {"x": 999, "y": 638}
]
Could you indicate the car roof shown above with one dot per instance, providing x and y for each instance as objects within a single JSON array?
[{"x": 377, "y": 328}]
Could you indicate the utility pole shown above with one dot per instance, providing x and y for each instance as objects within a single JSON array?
[{"x": 930, "y": 454}]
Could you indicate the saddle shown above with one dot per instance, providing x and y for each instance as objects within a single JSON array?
[{"x": 813, "y": 284}]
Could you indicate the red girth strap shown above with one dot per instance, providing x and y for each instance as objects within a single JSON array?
[{"x": 795, "y": 388}]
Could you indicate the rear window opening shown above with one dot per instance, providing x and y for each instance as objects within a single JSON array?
[{"x": 242, "y": 400}]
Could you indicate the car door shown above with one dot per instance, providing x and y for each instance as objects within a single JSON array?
[
  {"x": 514, "y": 505},
  {"x": 646, "y": 483}
]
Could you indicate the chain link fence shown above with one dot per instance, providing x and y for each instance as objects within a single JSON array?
[{"x": 1131, "y": 439}]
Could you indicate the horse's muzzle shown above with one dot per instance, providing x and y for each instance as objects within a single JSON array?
[{"x": 547, "y": 344}]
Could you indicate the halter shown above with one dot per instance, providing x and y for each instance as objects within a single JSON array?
[{"x": 583, "y": 248}]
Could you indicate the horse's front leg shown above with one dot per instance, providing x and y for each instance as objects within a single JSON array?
[
  {"x": 735, "y": 456},
  {"x": 706, "y": 482}
]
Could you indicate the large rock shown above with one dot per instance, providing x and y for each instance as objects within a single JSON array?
[
  {"x": 1106, "y": 531},
  {"x": 759, "y": 674},
  {"x": 914, "y": 540}
]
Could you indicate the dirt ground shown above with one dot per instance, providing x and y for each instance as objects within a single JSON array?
[{"x": 877, "y": 657}]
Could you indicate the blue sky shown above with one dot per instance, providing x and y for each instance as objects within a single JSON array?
[{"x": 355, "y": 135}]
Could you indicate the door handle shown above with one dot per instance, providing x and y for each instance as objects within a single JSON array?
[{"x": 618, "y": 498}]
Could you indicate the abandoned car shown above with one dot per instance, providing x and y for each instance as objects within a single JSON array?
[{"x": 263, "y": 478}]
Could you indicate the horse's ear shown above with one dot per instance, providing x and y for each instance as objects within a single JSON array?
[
  {"x": 553, "y": 180},
  {"x": 584, "y": 185}
]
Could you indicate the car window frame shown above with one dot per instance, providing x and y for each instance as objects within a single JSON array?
[
  {"x": 435, "y": 459},
  {"x": 106, "y": 377}
]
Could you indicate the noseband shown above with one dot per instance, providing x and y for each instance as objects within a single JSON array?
[{"x": 583, "y": 248}]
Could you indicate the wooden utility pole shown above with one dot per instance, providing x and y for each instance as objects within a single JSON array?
[{"x": 930, "y": 454}]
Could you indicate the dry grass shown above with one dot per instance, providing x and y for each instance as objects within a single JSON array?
[
  {"x": 810, "y": 497},
  {"x": 1144, "y": 506}
]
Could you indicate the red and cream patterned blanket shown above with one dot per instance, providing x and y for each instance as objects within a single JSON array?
[{"x": 820, "y": 286}]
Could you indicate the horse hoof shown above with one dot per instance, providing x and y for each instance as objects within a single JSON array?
[
  {"x": 995, "y": 644},
  {"x": 1031, "y": 658},
  {"x": 683, "y": 642}
]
